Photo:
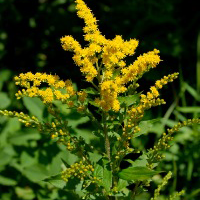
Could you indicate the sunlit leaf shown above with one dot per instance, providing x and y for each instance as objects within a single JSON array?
[
  {"x": 34, "y": 106},
  {"x": 137, "y": 173},
  {"x": 145, "y": 127},
  {"x": 56, "y": 181},
  {"x": 7, "y": 181},
  {"x": 4, "y": 100}
]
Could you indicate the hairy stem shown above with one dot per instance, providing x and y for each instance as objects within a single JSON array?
[{"x": 107, "y": 142}]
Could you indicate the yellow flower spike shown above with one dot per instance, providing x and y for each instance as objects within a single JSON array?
[
  {"x": 60, "y": 84},
  {"x": 149, "y": 100},
  {"x": 116, "y": 105},
  {"x": 140, "y": 66},
  {"x": 108, "y": 74},
  {"x": 70, "y": 44},
  {"x": 47, "y": 95},
  {"x": 85, "y": 13},
  {"x": 154, "y": 91}
]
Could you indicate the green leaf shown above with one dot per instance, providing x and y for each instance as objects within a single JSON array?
[
  {"x": 74, "y": 122},
  {"x": 7, "y": 181},
  {"x": 193, "y": 109},
  {"x": 25, "y": 193},
  {"x": 145, "y": 127},
  {"x": 137, "y": 173},
  {"x": 140, "y": 162},
  {"x": 94, "y": 104},
  {"x": 4, "y": 100},
  {"x": 192, "y": 91},
  {"x": 65, "y": 163},
  {"x": 4, "y": 76},
  {"x": 129, "y": 100},
  {"x": 113, "y": 122},
  {"x": 36, "y": 172},
  {"x": 63, "y": 108},
  {"x": 94, "y": 157},
  {"x": 56, "y": 181},
  {"x": 98, "y": 171},
  {"x": 34, "y": 106},
  {"x": 179, "y": 116},
  {"x": 67, "y": 155},
  {"x": 55, "y": 165},
  {"x": 121, "y": 184},
  {"x": 79, "y": 186},
  {"x": 23, "y": 136},
  {"x": 4, "y": 158},
  {"x": 107, "y": 178},
  {"x": 90, "y": 90},
  {"x": 103, "y": 171},
  {"x": 26, "y": 159},
  {"x": 11, "y": 127}
]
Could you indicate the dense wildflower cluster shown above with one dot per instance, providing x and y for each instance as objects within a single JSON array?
[
  {"x": 32, "y": 82},
  {"x": 80, "y": 170},
  {"x": 115, "y": 114},
  {"x": 149, "y": 100},
  {"x": 110, "y": 54}
]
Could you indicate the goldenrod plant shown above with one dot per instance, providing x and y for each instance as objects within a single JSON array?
[{"x": 117, "y": 114}]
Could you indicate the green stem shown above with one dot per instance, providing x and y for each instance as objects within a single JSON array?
[
  {"x": 134, "y": 191},
  {"x": 107, "y": 141},
  {"x": 95, "y": 86}
]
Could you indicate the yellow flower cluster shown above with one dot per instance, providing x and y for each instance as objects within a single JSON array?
[
  {"x": 32, "y": 82},
  {"x": 90, "y": 21},
  {"x": 114, "y": 51},
  {"x": 85, "y": 58},
  {"x": 140, "y": 66},
  {"x": 110, "y": 54},
  {"x": 166, "y": 79},
  {"x": 109, "y": 92},
  {"x": 79, "y": 170},
  {"x": 149, "y": 100}
]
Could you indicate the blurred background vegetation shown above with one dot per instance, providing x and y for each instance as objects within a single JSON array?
[{"x": 29, "y": 41}]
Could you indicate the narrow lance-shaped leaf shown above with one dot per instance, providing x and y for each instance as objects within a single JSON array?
[{"x": 137, "y": 173}]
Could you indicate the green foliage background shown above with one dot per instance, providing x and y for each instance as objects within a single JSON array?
[{"x": 29, "y": 41}]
